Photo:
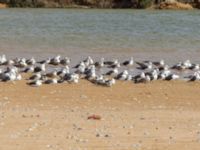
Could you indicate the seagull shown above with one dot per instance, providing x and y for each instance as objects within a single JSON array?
[
  {"x": 47, "y": 61},
  {"x": 172, "y": 77},
  {"x": 117, "y": 65},
  {"x": 88, "y": 61},
  {"x": 31, "y": 61},
  {"x": 128, "y": 62},
  {"x": 110, "y": 82},
  {"x": 21, "y": 63},
  {"x": 178, "y": 66},
  {"x": 187, "y": 63},
  {"x": 153, "y": 74},
  {"x": 164, "y": 73},
  {"x": 110, "y": 63},
  {"x": 80, "y": 64},
  {"x": 147, "y": 78},
  {"x": 65, "y": 61},
  {"x": 3, "y": 59},
  {"x": 159, "y": 63},
  {"x": 40, "y": 68},
  {"x": 90, "y": 69},
  {"x": 99, "y": 78},
  {"x": 55, "y": 61},
  {"x": 29, "y": 69},
  {"x": 137, "y": 78},
  {"x": 162, "y": 76},
  {"x": 71, "y": 78},
  {"x": 194, "y": 67},
  {"x": 18, "y": 77},
  {"x": 11, "y": 69},
  {"x": 51, "y": 74},
  {"x": 164, "y": 67},
  {"x": 81, "y": 69},
  {"x": 91, "y": 76},
  {"x": 129, "y": 77},
  {"x": 99, "y": 64},
  {"x": 113, "y": 72},
  {"x": 51, "y": 81},
  {"x": 142, "y": 78},
  {"x": 144, "y": 66},
  {"x": 195, "y": 76},
  {"x": 122, "y": 76},
  {"x": 182, "y": 65},
  {"x": 36, "y": 76},
  {"x": 35, "y": 83},
  {"x": 10, "y": 75},
  {"x": 9, "y": 62},
  {"x": 63, "y": 71}
]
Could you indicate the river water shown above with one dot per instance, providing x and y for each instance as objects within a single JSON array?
[{"x": 143, "y": 34}]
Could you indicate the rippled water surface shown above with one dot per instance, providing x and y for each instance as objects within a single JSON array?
[{"x": 143, "y": 34}]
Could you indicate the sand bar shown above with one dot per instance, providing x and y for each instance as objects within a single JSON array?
[{"x": 159, "y": 115}]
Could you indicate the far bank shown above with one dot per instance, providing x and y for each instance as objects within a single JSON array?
[{"x": 112, "y": 4}]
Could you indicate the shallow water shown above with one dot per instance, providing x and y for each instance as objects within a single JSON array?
[{"x": 143, "y": 34}]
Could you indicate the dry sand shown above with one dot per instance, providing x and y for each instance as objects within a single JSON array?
[
  {"x": 155, "y": 116},
  {"x": 174, "y": 5},
  {"x": 3, "y": 5}
]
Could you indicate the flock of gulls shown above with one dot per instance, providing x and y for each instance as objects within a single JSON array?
[{"x": 59, "y": 70}]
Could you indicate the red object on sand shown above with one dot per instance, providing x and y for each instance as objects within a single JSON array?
[{"x": 94, "y": 117}]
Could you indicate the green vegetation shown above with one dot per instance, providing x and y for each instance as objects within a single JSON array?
[
  {"x": 144, "y": 3},
  {"x": 89, "y": 3}
]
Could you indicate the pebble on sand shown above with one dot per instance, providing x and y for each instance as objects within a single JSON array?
[{"x": 94, "y": 117}]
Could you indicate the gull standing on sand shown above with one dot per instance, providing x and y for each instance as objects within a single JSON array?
[
  {"x": 40, "y": 68},
  {"x": 142, "y": 78},
  {"x": 11, "y": 74},
  {"x": 21, "y": 63},
  {"x": 113, "y": 72},
  {"x": 195, "y": 76},
  {"x": 51, "y": 81},
  {"x": 99, "y": 64},
  {"x": 144, "y": 66},
  {"x": 63, "y": 71},
  {"x": 65, "y": 61},
  {"x": 194, "y": 67},
  {"x": 111, "y": 62},
  {"x": 46, "y": 61},
  {"x": 71, "y": 78},
  {"x": 56, "y": 60},
  {"x": 80, "y": 68},
  {"x": 88, "y": 61},
  {"x": 172, "y": 77},
  {"x": 110, "y": 82},
  {"x": 122, "y": 76},
  {"x": 128, "y": 63},
  {"x": 91, "y": 76},
  {"x": 3, "y": 59},
  {"x": 35, "y": 83},
  {"x": 36, "y": 76},
  {"x": 31, "y": 61},
  {"x": 159, "y": 63},
  {"x": 29, "y": 69},
  {"x": 51, "y": 74},
  {"x": 153, "y": 74}
]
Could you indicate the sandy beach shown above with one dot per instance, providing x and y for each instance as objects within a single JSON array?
[{"x": 155, "y": 116}]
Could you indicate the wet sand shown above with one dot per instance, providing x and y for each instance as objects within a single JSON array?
[{"x": 155, "y": 116}]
